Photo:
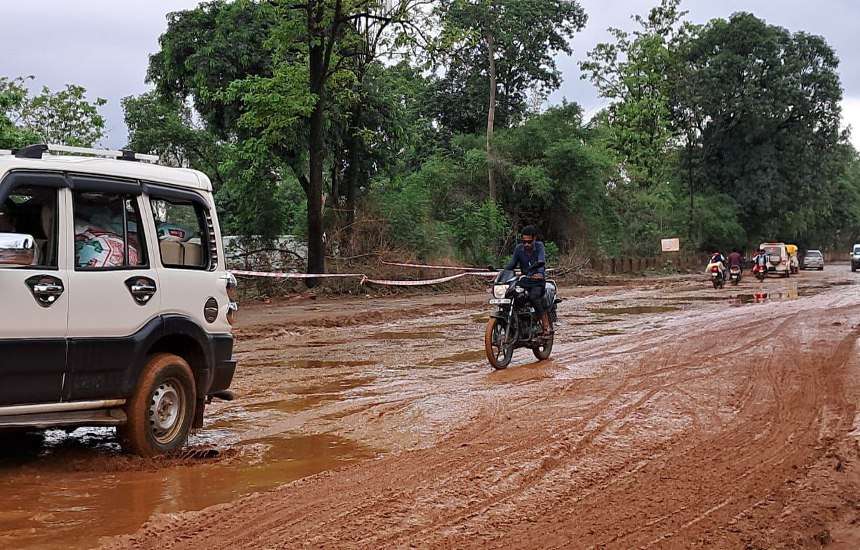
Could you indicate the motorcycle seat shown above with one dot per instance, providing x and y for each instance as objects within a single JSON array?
[{"x": 550, "y": 294}]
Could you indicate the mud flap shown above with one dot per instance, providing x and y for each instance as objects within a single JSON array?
[{"x": 198, "y": 414}]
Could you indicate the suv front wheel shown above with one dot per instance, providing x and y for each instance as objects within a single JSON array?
[{"x": 161, "y": 411}]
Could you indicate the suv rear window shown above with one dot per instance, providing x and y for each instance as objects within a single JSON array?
[
  {"x": 773, "y": 250},
  {"x": 182, "y": 234}
]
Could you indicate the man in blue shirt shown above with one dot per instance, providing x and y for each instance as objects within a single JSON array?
[{"x": 530, "y": 258}]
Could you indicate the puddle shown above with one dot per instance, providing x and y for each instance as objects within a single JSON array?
[
  {"x": 307, "y": 397},
  {"x": 404, "y": 335},
  {"x": 636, "y": 310},
  {"x": 783, "y": 295},
  {"x": 75, "y": 508}
]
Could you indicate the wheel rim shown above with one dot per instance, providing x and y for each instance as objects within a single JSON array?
[
  {"x": 167, "y": 411},
  {"x": 498, "y": 348}
]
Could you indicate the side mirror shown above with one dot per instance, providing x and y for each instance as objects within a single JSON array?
[{"x": 17, "y": 249}]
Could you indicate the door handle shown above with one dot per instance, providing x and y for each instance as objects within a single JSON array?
[
  {"x": 46, "y": 289},
  {"x": 142, "y": 289}
]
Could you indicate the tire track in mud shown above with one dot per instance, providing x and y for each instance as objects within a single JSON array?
[{"x": 650, "y": 449}]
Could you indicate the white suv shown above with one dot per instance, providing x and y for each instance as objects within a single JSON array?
[{"x": 116, "y": 306}]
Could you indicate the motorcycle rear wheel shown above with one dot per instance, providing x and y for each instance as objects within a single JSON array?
[{"x": 499, "y": 356}]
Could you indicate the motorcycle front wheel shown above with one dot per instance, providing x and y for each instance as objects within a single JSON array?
[
  {"x": 542, "y": 352},
  {"x": 499, "y": 355}
]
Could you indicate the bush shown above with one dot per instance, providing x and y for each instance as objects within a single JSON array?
[{"x": 479, "y": 231}]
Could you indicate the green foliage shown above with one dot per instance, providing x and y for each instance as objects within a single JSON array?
[
  {"x": 770, "y": 101},
  {"x": 526, "y": 36},
  {"x": 206, "y": 49},
  {"x": 64, "y": 117},
  {"x": 479, "y": 231}
]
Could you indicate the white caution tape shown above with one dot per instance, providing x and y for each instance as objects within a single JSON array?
[
  {"x": 364, "y": 278},
  {"x": 386, "y": 282},
  {"x": 272, "y": 275}
]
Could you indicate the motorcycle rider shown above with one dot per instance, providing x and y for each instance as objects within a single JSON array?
[
  {"x": 760, "y": 259},
  {"x": 736, "y": 260},
  {"x": 530, "y": 257},
  {"x": 720, "y": 260}
]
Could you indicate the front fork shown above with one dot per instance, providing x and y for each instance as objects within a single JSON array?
[{"x": 508, "y": 317}]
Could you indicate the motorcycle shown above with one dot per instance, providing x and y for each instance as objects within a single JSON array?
[
  {"x": 760, "y": 272},
  {"x": 716, "y": 276},
  {"x": 514, "y": 323},
  {"x": 735, "y": 275}
]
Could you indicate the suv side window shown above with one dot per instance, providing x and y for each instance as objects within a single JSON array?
[
  {"x": 33, "y": 211},
  {"x": 108, "y": 232},
  {"x": 182, "y": 233}
]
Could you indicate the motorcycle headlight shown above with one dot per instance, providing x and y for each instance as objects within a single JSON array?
[{"x": 499, "y": 291}]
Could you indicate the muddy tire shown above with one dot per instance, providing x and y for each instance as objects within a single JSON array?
[
  {"x": 498, "y": 357},
  {"x": 544, "y": 351},
  {"x": 161, "y": 410}
]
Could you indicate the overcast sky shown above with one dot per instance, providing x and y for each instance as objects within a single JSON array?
[{"x": 104, "y": 44}]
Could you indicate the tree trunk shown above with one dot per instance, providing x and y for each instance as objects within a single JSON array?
[
  {"x": 316, "y": 158},
  {"x": 316, "y": 247},
  {"x": 351, "y": 182},
  {"x": 491, "y": 116},
  {"x": 690, "y": 183}
]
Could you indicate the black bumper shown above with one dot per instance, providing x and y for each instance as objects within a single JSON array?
[{"x": 224, "y": 365}]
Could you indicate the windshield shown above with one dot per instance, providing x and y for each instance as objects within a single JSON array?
[
  {"x": 813, "y": 254},
  {"x": 773, "y": 250},
  {"x": 504, "y": 276}
]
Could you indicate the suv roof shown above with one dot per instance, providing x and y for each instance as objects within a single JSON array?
[{"x": 180, "y": 177}]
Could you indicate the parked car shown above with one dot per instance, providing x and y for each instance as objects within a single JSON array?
[
  {"x": 855, "y": 257},
  {"x": 813, "y": 259},
  {"x": 117, "y": 308},
  {"x": 778, "y": 261}
]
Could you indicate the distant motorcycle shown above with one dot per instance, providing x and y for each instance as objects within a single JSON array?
[
  {"x": 716, "y": 276},
  {"x": 760, "y": 272},
  {"x": 514, "y": 324},
  {"x": 735, "y": 275}
]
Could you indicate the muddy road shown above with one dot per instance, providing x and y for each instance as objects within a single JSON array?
[{"x": 670, "y": 415}]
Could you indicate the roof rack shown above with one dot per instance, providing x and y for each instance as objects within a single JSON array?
[{"x": 36, "y": 152}]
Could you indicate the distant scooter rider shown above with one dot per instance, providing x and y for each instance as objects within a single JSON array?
[
  {"x": 736, "y": 259},
  {"x": 530, "y": 257},
  {"x": 760, "y": 260},
  {"x": 720, "y": 260}
]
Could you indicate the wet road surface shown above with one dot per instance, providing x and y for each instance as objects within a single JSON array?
[{"x": 670, "y": 414}]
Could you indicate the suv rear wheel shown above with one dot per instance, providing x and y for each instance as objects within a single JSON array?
[{"x": 161, "y": 411}]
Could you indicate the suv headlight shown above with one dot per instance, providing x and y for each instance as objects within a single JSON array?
[{"x": 499, "y": 291}]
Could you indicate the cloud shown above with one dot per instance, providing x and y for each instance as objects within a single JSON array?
[{"x": 851, "y": 118}]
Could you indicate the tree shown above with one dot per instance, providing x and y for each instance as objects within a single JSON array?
[
  {"x": 640, "y": 73},
  {"x": 64, "y": 117},
  {"x": 165, "y": 127},
  {"x": 512, "y": 43},
  {"x": 770, "y": 105}
]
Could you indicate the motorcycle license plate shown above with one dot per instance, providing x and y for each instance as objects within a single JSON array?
[{"x": 500, "y": 301}]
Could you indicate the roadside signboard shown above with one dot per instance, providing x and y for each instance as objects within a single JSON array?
[{"x": 671, "y": 245}]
